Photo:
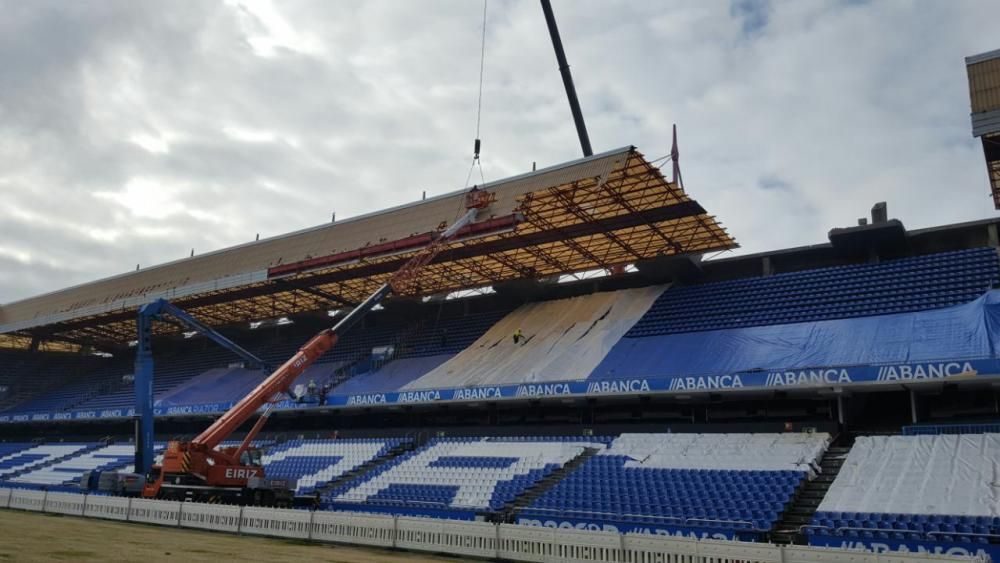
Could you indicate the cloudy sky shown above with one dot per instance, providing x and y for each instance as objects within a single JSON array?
[{"x": 133, "y": 131}]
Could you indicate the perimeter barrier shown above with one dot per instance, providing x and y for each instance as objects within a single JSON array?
[{"x": 509, "y": 542}]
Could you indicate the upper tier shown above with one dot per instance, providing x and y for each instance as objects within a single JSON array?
[{"x": 898, "y": 286}]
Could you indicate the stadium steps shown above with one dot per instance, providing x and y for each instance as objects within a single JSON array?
[
  {"x": 802, "y": 508},
  {"x": 345, "y": 479},
  {"x": 541, "y": 487}
]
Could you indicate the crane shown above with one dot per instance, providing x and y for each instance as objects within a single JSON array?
[
  {"x": 163, "y": 310},
  {"x": 198, "y": 469}
]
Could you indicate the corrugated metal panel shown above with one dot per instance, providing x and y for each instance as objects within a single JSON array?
[
  {"x": 984, "y": 85},
  {"x": 986, "y": 123}
]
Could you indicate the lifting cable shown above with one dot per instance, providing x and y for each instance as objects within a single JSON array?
[{"x": 479, "y": 107}]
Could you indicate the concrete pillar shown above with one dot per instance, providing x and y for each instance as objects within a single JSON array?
[
  {"x": 913, "y": 407},
  {"x": 767, "y": 268},
  {"x": 991, "y": 233}
]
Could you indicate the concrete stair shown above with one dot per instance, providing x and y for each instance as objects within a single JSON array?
[
  {"x": 541, "y": 487},
  {"x": 803, "y": 506},
  {"x": 347, "y": 478}
]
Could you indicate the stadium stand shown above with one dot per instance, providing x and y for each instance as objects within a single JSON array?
[
  {"x": 313, "y": 463},
  {"x": 27, "y": 374},
  {"x": 930, "y": 307},
  {"x": 858, "y": 290},
  {"x": 668, "y": 315},
  {"x": 7, "y": 448},
  {"x": 458, "y": 477},
  {"x": 18, "y": 462},
  {"x": 392, "y": 376},
  {"x": 171, "y": 372},
  {"x": 220, "y": 385},
  {"x": 733, "y": 485},
  {"x": 564, "y": 339},
  {"x": 204, "y": 376},
  {"x": 928, "y": 489},
  {"x": 965, "y": 331},
  {"x": 69, "y": 470},
  {"x": 450, "y": 335}
]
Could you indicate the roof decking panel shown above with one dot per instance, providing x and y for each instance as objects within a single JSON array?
[
  {"x": 603, "y": 211},
  {"x": 984, "y": 85}
]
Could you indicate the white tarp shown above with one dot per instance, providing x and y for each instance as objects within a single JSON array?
[
  {"x": 949, "y": 474},
  {"x": 762, "y": 452},
  {"x": 564, "y": 340}
]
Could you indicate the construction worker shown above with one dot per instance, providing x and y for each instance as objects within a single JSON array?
[
  {"x": 518, "y": 336},
  {"x": 311, "y": 388}
]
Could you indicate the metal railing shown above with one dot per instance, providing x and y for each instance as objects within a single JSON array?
[{"x": 475, "y": 539}]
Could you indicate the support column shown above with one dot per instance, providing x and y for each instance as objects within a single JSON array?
[
  {"x": 913, "y": 407},
  {"x": 840, "y": 413},
  {"x": 143, "y": 396},
  {"x": 766, "y": 268}
]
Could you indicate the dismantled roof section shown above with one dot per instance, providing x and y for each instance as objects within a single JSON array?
[
  {"x": 598, "y": 212},
  {"x": 984, "y": 94}
]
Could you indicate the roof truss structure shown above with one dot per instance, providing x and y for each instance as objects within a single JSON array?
[{"x": 628, "y": 213}]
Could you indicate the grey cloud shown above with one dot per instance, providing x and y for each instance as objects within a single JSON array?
[{"x": 255, "y": 125}]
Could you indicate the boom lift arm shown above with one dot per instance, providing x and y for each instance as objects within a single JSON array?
[
  {"x": 224, "y": 468},
  {"x": 163, "y": 310}
]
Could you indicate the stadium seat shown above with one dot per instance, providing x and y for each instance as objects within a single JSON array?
[
  {"x": 924, "y": 487},
  {"x": 726, "y": 481},
  {"x": 909, "y": 284},
  {"x": 312, "y": 463},
  {"x": 466, "y": 474}
]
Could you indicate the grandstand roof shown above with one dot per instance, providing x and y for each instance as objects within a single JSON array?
[
  {"x": 984, "y": 94},
  {"x": 598, "y": 212}
]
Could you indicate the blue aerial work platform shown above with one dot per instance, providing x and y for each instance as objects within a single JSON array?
[{"x": 160, "y": 310}]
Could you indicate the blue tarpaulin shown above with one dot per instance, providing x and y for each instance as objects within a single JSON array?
[{"x": 967, "y": 331}]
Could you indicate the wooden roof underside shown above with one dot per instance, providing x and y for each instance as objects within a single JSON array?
[{"x": 626, "y": 213}]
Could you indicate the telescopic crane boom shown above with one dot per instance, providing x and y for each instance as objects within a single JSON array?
[{"x": 198, "y": 466}]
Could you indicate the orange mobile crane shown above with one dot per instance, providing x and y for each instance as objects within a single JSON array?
[{"x": 196, "y": 470}]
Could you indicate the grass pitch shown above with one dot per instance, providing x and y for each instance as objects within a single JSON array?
[{"x": 31, "y": 537}]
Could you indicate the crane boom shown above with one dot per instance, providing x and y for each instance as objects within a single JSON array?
[
  {"x": 199, "y": 460},
  {"x": 283, "y": 377}
]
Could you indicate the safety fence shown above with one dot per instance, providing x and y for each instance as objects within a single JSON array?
[{"x": 473, "y": 539}]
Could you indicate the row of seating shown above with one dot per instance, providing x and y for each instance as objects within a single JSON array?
[
  {"x": 39, "y": 455},
  {"x": 69, "y": 471},
  {"x": 314, "y": 463},
  {"x": 925, "y": 487},
  {"x": 449, "y": 335},
  {"x": 652, "y": 480},
  {"x": 909, "y": 284},
  {"x": 657, "y": 479},
  {"x": 98, "y": 383},
  {"x": 485, "y": 473}
]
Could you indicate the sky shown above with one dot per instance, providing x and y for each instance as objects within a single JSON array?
[{"x": 134, "y": 131}]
